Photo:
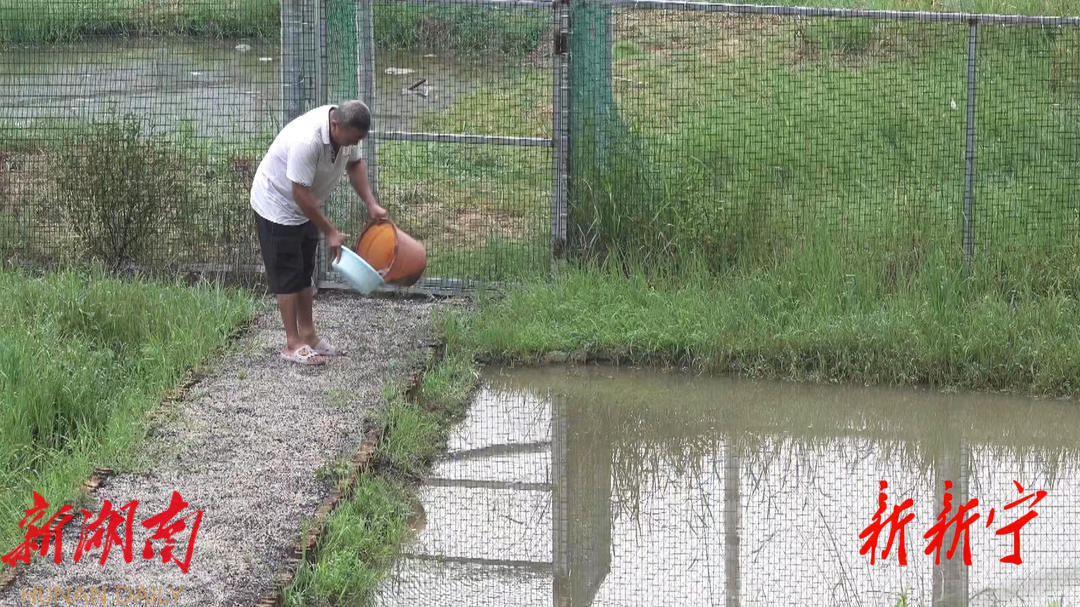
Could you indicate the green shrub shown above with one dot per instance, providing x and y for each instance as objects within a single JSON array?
[{"x": 118, "y": 188}]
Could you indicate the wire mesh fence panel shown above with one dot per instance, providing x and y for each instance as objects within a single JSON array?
[
  {"x": 1028, "y": 142},
  {"x": 129, "y": 134},
  {"x": 169, "y": 109},
  {"x": 732, "y": 134},
  {"x": 739, "y": 136},
  {"x": 462, "y": 121},
  {"x": 736, "y": 134}
]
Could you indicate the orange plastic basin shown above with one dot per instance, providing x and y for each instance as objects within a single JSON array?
[
  {"x": 376, "y": 245},
  {"x": 393, "y": 253}
]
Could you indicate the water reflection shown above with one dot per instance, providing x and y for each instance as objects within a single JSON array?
[{"x": 594, "y": 487}]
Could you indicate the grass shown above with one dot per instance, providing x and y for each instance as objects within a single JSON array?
[
  {"x": 749, "y": 149},
  {"x": 1008, "y": 7},
  {"x": 195, "y": 210},
  {"x": 732, "y": 215},
  {"x": 819, "y": 316},
  {"x": 742, "y": 135},
  {"x": 50, "y": 22},
  {"x": 83, "y": 358},
  {"x": 468, "y": 29},
  {"x": 359, "y": 544},
  {"x": 480, "y": 210},
  {"x": 811, "y": 139},
  {"x": 362, "y": 536},
  {"x": 513, "y": 32},
  {"x": 471, "y": 29}
]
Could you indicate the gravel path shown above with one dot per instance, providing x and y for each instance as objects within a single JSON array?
[{"x": 244, "y": 447}]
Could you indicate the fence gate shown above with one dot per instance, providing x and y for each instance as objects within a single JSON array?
[{"x": 459, "y": 162}]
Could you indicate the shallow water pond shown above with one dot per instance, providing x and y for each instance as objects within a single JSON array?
[
  {"x": 597, "y": 486},
  {"x": 223, "y": 88}
]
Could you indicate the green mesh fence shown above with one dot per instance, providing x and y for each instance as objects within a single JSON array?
[
  {"x": 193, "y": 94},
  {"x": 594, "y": 116},
  {"x": 741, "y": 138},
  {"x": 722, "y": 136}
]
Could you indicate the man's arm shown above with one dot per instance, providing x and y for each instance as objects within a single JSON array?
[
  {"x": 309, "y": 205},
  {"x": 300, "y": 169},
  {"x": 359, "y": 180}
]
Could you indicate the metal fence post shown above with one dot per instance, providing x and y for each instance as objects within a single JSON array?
[
  {"x": 292, "y": 73},
  {"x": 969, "y": 168},
  {"x": 320, "y": 70},
  {"x": 365, "y": 81},
  {"x": 560, "y": 137},
  {"x": 322, "y": 58}
]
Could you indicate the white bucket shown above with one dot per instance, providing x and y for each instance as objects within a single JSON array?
[{"x": 357, "y": 272}]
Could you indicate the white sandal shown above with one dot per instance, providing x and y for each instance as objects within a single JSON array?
[
  {"x": 325, "y": 348},
  {"x": 304, "y": 355}
]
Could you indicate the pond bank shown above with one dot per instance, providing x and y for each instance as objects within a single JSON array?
[{"x": 941, "y": 326}]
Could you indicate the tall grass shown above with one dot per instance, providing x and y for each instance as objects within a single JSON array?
[
  {"x": 1008, "y": 7},
  {"x": 437, "y": 28},
  {"x": 360, "y": 544},
  {"x": 114, "y": 190},
  {"x": 51, "y": 22},
  {"x": 397, "y": 25},
  {"x": 823, "y": 140},
  {"x": 819, "y": 315},
  {"x": 82, "y": 358}
]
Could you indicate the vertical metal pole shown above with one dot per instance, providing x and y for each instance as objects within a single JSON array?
[
  {"x": 292, "y": 74},
  {"x": 950, "y": 581},
  {"x": 732, "y": 510},
  {"x": 969, "y": 170},
  {"x": 308, "y": 51},
  {"x": 560, "y": 509},
  {"x": 322, "y": 62},
  {"x": 365, "y": 81},
  {"x": 319, "y": 69},
  {"x": 560, "y": 138}
]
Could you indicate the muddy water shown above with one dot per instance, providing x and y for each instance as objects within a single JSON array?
[
  {"x": 226, "y": 88},
  {"x": 603, "y": 487},
  {"x": 220, "y": 90}
]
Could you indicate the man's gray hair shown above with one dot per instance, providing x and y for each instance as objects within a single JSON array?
[{"x": 355, "y": 114}]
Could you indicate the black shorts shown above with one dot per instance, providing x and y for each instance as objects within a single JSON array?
[{"x": 289, "y": 254}]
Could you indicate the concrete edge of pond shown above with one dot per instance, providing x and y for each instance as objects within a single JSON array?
[
  {"x": 689, "y": 364},
  {"x": 584, "y": 357}
]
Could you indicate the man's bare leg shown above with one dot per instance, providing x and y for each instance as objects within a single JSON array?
[
  {"x": 289, "y": 306},
  {"x": 305, "y": 318}
]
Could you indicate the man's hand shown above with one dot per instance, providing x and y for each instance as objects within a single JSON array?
[
  {"x": 376, "y": 212},
  {"x": 334, "y": 240}
]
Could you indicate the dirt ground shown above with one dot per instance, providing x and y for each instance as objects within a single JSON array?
[{"x": 245, "y": 446}]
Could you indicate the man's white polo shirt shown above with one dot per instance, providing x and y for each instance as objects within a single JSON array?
[{"x": 301, "y": 153}]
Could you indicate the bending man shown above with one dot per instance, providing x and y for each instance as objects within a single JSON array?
[{"x": 302, "y": 167}]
